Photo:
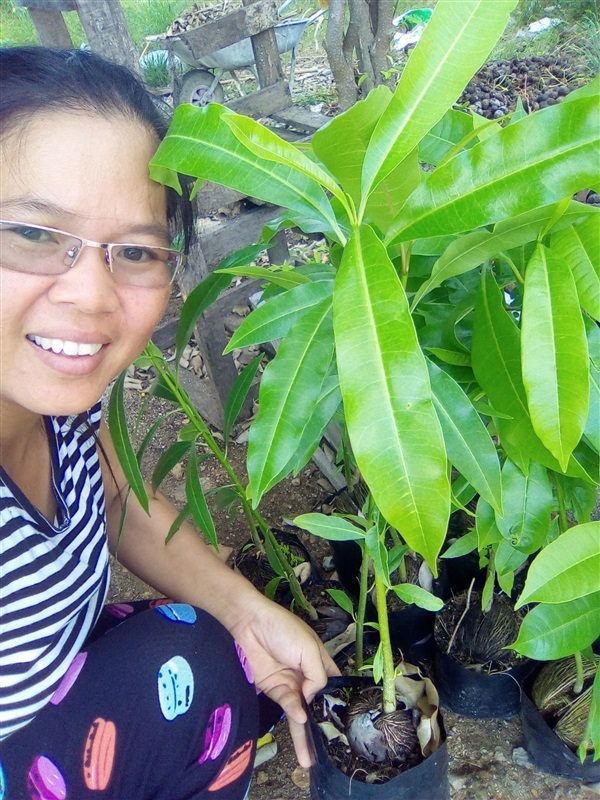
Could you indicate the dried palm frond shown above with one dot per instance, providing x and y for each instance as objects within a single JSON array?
[
  {"x": 571, "y": 724},
  {"x": 553, "y": 688}
]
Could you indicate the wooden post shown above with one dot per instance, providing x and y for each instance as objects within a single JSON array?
[
  {"x": 266, "y": 55},
  {"x": 48, "y": 21},
  {"x": 106, "y": 29}
]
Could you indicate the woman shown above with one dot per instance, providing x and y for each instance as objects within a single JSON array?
[{"x": 163, "y": 705}]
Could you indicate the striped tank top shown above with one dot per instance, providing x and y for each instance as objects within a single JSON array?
[{"x": 53, "y": 576}]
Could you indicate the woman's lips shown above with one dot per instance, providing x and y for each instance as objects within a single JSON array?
[{"x": 65, "y": 346}]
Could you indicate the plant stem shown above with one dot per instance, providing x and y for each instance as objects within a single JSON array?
[
  {"x": 563, "y": 522},
  {"x": 252, "y": 516},
  {"x": 513, "y": 267},
  {"x": 389, "y": 673},
  {"x": 578, "y": 685},
  {"x": 405, "y": 249},
  {"x": 361, "y": 609}
]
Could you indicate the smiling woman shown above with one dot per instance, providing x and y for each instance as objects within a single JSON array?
[{"x": 160, "y": 707}]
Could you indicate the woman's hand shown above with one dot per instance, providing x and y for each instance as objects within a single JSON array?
[{"x": 289, "y": 663}]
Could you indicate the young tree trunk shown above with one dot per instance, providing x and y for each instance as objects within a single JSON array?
[{"x": 365, "y": 39}]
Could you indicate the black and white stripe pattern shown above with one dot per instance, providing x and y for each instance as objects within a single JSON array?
[{"x": 53, "y": 578}]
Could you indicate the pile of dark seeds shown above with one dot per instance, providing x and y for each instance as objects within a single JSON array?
[{"x": 539, "y": 81}]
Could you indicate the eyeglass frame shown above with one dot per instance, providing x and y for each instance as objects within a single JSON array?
[{"x": 106, "y": 246}]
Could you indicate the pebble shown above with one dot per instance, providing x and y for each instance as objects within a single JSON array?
[
  {"x": 261, "y": 777},
  {"x": 520, "y": 757},
  {"x": 499, "y": 755},
  {"x": 457, "y": 782}
]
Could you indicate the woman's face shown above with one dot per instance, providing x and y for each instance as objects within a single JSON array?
[{"x": 87, "y": 175}]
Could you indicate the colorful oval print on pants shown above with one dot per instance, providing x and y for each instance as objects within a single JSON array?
[
  {"x": 217, "y": 733},
  {"x": 244, "y": 662},
  {"x": 120, "y": 610},
  {"x": 235, "y": 767},
  {"x": 45, "y": 780},
  {"x": 175, "y": 687},
  {"x": 99, "y": 753},
  {"x": 69, "y": 678},
  {"x": 178, "y": 612}
]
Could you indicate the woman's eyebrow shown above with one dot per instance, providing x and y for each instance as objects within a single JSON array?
[{"x": 26, "y": 203}]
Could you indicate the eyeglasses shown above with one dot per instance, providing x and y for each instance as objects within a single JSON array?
[{"x": 39, "y": 250}]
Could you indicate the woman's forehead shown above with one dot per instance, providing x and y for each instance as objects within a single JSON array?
[{"x": 87, "y": 165}]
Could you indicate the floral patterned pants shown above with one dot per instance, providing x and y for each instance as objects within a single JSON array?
[{"x": 159, "y": 705}]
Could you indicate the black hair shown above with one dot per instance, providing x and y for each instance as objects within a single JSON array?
[{"x": 40, "y": 79}]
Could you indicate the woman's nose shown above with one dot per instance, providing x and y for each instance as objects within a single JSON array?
[{"x": 88, "y": 283}]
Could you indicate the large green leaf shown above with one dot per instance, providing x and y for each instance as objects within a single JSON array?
[
  {"x": 201, "y": 144},
  {"x": 273, "y": 319},
  {"x": 409, "y": 593},
  {"x": 592, "y": 426},
  {"x": 557, "y": 631},
  {"x": 567, "y": 568},
  {"x": 496, "y": 361},
  {"x": 342, "y": 143},
  {"x": 455, "y": 43},
  {"x": 578, "y": 246},
  {"x": 476, "y": 247},
  {"x": 527, "y": 506},
  {"x": 237, "y": 395},
  {"x": 485, "y": 524},
  {"x": 335, "y": 529},
  {"x": 285, "y": 278},
  {"x": 290, "y": 386},
  {"x": 266, "y": 144},
  {"x": 168, "y": 459},
  {"x": 394, "y": 430},
  {"x": 544, "y": 157},
  {"x": 453, "y": 127},
  {"x": 554, "y": 354},
  {"x": 117, "y": 425},
  {"x": 387, "y": 198},
  {"x": 468, "y": 444}
]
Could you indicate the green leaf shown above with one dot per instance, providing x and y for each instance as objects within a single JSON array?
[
  {"x": 197, "y": 501},
  {"x": 463, "y": 545},
  {"x": 556, "y": 631},
  {"x": 507, "y": 561},
  {"x": 455, "y": 43},
  {"x": 578, "y": 246},
  {"x": 148, "y": 438},
  {"x": 334, "y": 529},
  {"x": 117, "y": 425},
  {"x": 287, "y": 279},
  {"x": 449, "y": 131},
  {"x": 488, "y": 532},
  {"x": 177, "y": 523},
  {"x": 554, "y": 355},
  {"x": 168, "y": 459},
  {"x": 477, "y": 247},
  {"x": 353, "y": 128},
  {"x": 527, "y": 507},
  {"x": 468, "y": 444},
  {"x": 387, "y": 396},
  {"x": 378, "y": 553},
  {"x": 409, "y": 593},
  {"x": 592, "y": 425},
  {"x": 457, "y": 357},
  {"x": 567, "y": 568},
  {"x": 273, "y": 319},
  {"x": 591, "y": 736},
  {"x": 580, "y": 496},
  {"x": 342, "y": 599},
  {"x": 487, "y": 594},
  {"x": 200, "y": 143},
  {"x": 196, "y": 304},
  {"x": 539, "y": 160},
  {"x": 496, "y": 360},
  {"x": 266, "y": 144},
  {"x": 237, "y": 395},
  {"x": 378, "y": 664},
  {"x": 290, "y": 387},
  {"x": 395, "y": 556}
]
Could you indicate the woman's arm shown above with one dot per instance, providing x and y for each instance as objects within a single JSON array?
[{"x": 288, "y": 660}]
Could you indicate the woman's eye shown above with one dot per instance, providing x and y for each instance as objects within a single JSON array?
[
  {"x": 135, "y": 255},
  {"x": 35, "y": 235}
]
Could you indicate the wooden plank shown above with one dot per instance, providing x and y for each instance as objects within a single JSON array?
[
  {"x": 300, "y": 118},
  {"x": 47, "y": 5},
  {"x": 107, "y": 33},
  {"x": 265, "y": 102},
  {"x": 229, "y": 29},
  {"x": 210, "y": 197},
  {"x": 266, "y": 53},
  {"x": 220, "y": 239},
  {"x": 51, "y": 29}
]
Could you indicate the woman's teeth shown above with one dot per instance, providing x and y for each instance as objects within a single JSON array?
[{"x": 65, "y": 347}]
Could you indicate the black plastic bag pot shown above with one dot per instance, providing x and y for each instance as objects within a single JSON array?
[
  {"x": 548, "y": 752},
  {"x": 478, "y": 694},
  {"x": 426, "y": 781}
]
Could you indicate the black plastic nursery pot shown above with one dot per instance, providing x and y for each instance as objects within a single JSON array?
[
  {"x": 477, "y": 694},
  {"x": 548, "y": 752},
  {"x": 426, "y": 781}
]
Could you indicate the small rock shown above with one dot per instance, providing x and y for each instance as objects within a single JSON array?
[
  {"x": 499, "y": 756},
  {"x": 261, "y": 777},
  {"x": 301, "y": 778},
  {"x": 520, "y": 757},
  {"x": 457, "y": 782}
]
